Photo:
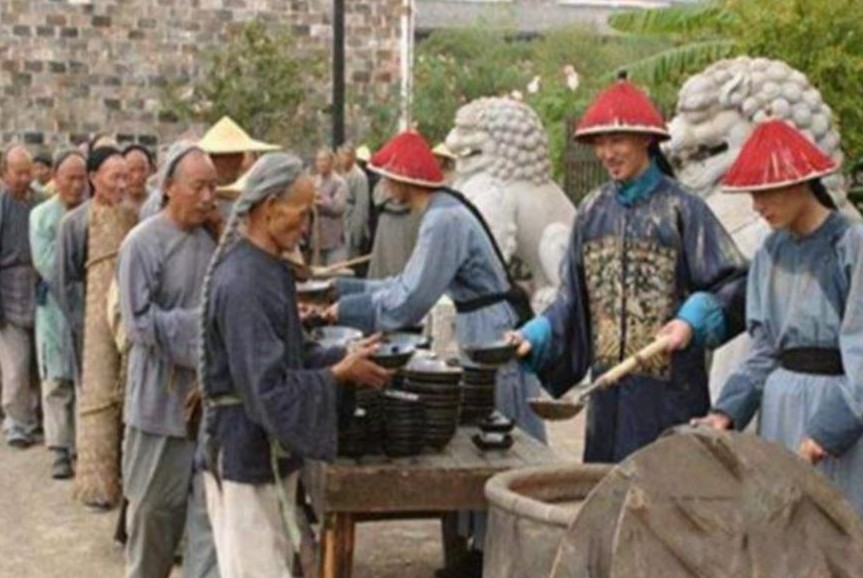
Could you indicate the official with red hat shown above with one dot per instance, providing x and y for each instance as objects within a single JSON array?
[
  {"x": 648, "y": 259},
  {"x": 804, "y": 373},
  {"x": 456, "y": 255}
]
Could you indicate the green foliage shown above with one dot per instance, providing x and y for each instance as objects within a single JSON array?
[
  {"x": 824, "y": 40},
  {"x": 262, "y": 80},
  {"x": 454, "y": 67}
]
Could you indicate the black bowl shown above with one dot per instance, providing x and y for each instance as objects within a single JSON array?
[
  {"x": 336, "y": 334},
  {"x": 417, "y": 340},
  {"x": 393, "y": 355},
  {"x": 491, "y": 354},
  {"x": 314, "y": 290},
  {"x": 425, "y": 370}
]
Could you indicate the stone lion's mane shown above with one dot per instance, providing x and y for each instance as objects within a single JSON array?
[{"x": 517, "y": 141}]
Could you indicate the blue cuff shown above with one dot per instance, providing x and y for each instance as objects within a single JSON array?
[
  {"x": 349, "y": 286},
  {"x": 537, "y": 332},
  {"x": 835, "y": 426},
  {"x": 739, "y": 400},
  {"x": 703, "y": 312},
  {"x": 357, "y": 311}
]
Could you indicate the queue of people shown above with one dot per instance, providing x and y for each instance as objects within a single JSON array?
[{"x": 195, "y": 399}]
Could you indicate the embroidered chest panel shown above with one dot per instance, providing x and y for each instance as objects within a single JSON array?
[{"x": 631, "y": 291}]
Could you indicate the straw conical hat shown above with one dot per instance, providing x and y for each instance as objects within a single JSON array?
[{"x": 226, "y": 137}]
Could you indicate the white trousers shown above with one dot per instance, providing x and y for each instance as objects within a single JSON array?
[
  {"x": 58, "y": 407},
  {"x": 251, "y": 538}
]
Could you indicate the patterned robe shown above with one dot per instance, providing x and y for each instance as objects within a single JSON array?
[{"x": 631, "y": 265}]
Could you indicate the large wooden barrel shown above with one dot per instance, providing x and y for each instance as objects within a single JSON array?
[
  {"x": 712, "y": 504},
  {"x": 529, "y": 512}
]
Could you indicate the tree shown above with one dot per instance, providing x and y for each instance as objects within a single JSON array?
[
  {"x": 824, "y": 40},
  {"x": 260, "y": 78}
]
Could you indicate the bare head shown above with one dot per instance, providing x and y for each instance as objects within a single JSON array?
[
  {"x": 325, "y": 161},
  {"x": 17, "y": 167},
  {"x": 43, "y": 167},
  {"x": 140, "y": 164},
  {"x": 108, "y": 175},
  {"x": 190, "y": 188},
  {"x": 347, "y": 156},
  {"x": 70, "y": 178}
]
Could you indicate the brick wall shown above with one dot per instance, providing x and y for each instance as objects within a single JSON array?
[{"x": 69, "y": 68}]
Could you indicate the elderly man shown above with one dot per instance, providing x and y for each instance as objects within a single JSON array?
[
  {"x": 17, "y": 297},
  {"x": 331, "y": 195},
  {"x": 358, "y": 203},
  {"x": 228, "y": 146},
  {"x": 140, "y": 165},
  {"x": 161, "y": 271},
  {"x": 53, "y": 338}
]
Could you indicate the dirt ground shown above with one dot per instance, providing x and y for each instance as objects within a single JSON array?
[{"x": 45, "y": 534}]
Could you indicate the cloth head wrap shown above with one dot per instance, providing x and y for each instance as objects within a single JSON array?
[
  {"x": 272, "y": 174},
  {"x": 141, "y": 149}
]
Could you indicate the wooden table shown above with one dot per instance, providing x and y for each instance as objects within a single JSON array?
[{"x": 348, "y": 491}]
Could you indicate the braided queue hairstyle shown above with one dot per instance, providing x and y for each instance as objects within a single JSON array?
[{"x": 272, "y": 175}]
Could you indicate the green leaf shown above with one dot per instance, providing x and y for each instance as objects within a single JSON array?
[
  {"x": 676, "y": 62},
  {"x": 689, "y": 21}
]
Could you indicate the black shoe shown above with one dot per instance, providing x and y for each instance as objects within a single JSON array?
[
  {"x": 468, "y": 566},
  {"x": 62, "y": 467}
]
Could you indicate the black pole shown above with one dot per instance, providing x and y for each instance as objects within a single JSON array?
[{"x": 338, "y": 72}]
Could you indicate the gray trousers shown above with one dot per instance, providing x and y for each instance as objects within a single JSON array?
[
  {"x": 199, "y": 556},
  {"x": 58, "y": 413},
  {"x": 157, "y": 477},
  {"x": 19, "y": 395}
]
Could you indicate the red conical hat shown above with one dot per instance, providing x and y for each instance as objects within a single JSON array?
[
  {"x": 407, "y": 158},
  {"x": 776, "y": 155},
  {"x": 621, "y": 108}
]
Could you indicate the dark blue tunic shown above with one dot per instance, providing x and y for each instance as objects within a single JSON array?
[
  {"x": 631, "y": 265},
  {"x": 257, "y": 351}
]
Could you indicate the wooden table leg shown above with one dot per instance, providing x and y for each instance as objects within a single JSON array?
[
  {"x": 454, "y": 546},
  {"x": 347, "y": 534},
  {"x": 329, "y": 546}
]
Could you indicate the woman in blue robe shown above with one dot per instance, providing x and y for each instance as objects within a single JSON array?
[
  {"x": 646, "y": 258},
  {"x": 804, "y": 312}
]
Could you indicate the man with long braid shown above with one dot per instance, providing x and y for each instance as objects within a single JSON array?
[
  {"x": 271, "y": 397},
  {"x": 161, "y": 271}
]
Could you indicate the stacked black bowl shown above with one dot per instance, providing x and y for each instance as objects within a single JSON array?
[
  {"x": 478, "y": 386},
  {"x": 437, "y": 384},
  {"x": 353, "y": 436},
  {"x": 372, "y": 402},
  {"x": 404, "y": 423}
]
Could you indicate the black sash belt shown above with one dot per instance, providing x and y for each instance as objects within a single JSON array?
[
  {"x": 813, "y": 360},
  {"x": 478, "y": 303}
]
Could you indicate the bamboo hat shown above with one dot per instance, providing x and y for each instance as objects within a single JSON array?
[{"x": 226, "y": 137}]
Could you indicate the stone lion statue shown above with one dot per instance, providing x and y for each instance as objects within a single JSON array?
[
  {"x": 716, "y": 111},
  {"x": 503, "y": 166}
]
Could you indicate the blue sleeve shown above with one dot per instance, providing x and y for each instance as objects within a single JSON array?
[
  {"x": 837, "y": 423},
  {"x": 537, "y": 332},
  {"x": 703, "y": 312},
  {"x": 715, "y": 266},
  {"x": 402, "y": 301},
  {"x": 741, "y": 396}
]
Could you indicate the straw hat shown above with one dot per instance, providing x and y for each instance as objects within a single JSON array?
[
  {"x": 407, "y": 158},
  {"x": 441, "y": 150},
  {"x": 623, "y": 107},
  {"x": 776, "y": 155},
  {"x": 363, "y": 153},
  {"x": 226, "y": 137},
  {"x": 233, "y": 190}
]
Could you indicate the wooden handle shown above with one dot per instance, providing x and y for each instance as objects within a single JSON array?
[
  {"x": 343, "y": 264},
  {"x": 633, "y": 362}
]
